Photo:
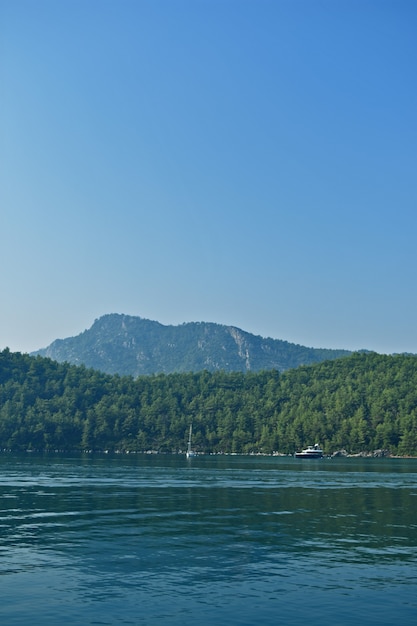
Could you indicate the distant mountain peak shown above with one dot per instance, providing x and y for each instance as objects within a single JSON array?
[{"x": 131, "y": 345}]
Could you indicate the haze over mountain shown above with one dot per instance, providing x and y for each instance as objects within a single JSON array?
[{"x": 130, "y": 345}]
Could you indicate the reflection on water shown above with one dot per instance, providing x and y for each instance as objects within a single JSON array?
[{"x": 137, "y": 539}]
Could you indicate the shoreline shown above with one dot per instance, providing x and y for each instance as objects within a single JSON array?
[{"x": 339, "y": 454}]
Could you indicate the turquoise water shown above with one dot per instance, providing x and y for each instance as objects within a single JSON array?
[{"x": 220, "y": 540}]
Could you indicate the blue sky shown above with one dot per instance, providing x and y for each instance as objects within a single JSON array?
[{"x": 246, "y": 162}]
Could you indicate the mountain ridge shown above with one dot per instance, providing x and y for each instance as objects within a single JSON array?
[{"x": 131, "y": 345}]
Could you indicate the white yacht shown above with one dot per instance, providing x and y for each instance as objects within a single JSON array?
[{"x": 311, "y": 452}]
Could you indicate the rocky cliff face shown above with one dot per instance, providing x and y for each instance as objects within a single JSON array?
[
  {"x": 242, "y": 346},
  {"x": 129, "y": 345}
]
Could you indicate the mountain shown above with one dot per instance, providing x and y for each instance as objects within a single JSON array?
[{"x": 129, "y": 345}]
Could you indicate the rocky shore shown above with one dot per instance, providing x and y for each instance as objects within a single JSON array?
[{"x": 363, "y": 454}]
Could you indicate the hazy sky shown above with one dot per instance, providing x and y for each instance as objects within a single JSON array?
[{"x": 246, "y": 162}]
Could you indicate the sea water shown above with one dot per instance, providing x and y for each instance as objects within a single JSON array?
[{"x": 151, "y": 539}]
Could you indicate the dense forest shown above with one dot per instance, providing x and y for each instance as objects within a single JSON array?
[{"x": 359, "y": 403}]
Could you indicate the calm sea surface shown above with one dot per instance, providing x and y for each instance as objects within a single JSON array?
[{"x": 215, "y": 540}]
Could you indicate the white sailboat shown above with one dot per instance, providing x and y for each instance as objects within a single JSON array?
[{"x": 190, "y": 452}]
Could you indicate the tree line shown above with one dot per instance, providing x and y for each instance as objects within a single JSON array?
[{"x": 358, "y": 403}]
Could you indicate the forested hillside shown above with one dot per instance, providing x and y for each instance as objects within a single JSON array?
[
  {"x": 129, "y": 345},
  {"x": 363, "y": 402}
]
